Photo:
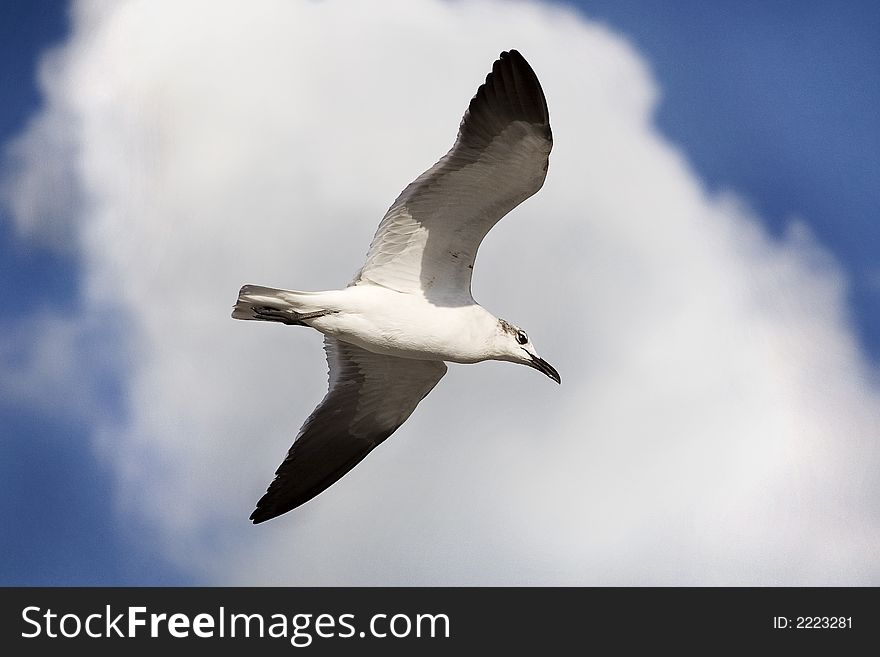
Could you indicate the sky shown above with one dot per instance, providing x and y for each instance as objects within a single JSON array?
[{"x": 706, "y": 279}]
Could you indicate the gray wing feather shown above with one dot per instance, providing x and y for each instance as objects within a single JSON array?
[
  {"x": 427, "y": 242},
  {"x": 369, "y": 397}
]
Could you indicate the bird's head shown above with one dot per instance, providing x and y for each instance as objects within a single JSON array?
[{"x": 513, "y": 344}]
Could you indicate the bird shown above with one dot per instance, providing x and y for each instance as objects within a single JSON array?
[{"x": 409, "y": 310}]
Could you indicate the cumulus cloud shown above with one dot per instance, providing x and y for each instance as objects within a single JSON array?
[{"x": 717, "y": 423}]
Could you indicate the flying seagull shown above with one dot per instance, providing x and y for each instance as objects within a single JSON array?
[{"x": 410, "y": 308}]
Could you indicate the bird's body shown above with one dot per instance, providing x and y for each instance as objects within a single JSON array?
[
  {"x": 392, "y": 323},
  {"x": 409, "y": 309}
]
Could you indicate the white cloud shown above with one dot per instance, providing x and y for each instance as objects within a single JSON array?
[
  {"x": 716, "y": 424},
  {"x": 39, "y": 186},
  {"x": 42, "y": 355}
]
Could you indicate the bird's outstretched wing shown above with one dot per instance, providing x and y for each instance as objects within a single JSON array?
[
  {"x": 370, "y": 395},
  {"x": 428, "y": 239}
]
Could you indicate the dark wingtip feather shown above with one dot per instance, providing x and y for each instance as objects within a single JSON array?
[
  {"x": 260, "y": 515},
  {"x": 510, "y": 93}
]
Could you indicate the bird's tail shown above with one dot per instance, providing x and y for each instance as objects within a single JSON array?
[{"x": 271, "y": 304}]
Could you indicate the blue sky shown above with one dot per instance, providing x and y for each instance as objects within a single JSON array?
[{"x": 775, "y": 100}]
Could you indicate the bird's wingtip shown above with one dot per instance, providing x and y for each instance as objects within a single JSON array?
[{"x": 257, "y": 517}]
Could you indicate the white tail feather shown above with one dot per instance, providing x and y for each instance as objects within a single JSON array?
[{"x": 251, "y": 296}]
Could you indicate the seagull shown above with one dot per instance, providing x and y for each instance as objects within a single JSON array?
[{"x": 409, "y": 310}]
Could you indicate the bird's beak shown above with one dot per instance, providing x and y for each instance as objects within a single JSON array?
[{"x": 543, "y": 366}]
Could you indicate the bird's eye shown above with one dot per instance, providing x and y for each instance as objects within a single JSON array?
[{"x": 521, "y": 337}]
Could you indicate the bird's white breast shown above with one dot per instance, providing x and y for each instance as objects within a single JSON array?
[{"x": 406, "y": 325}]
